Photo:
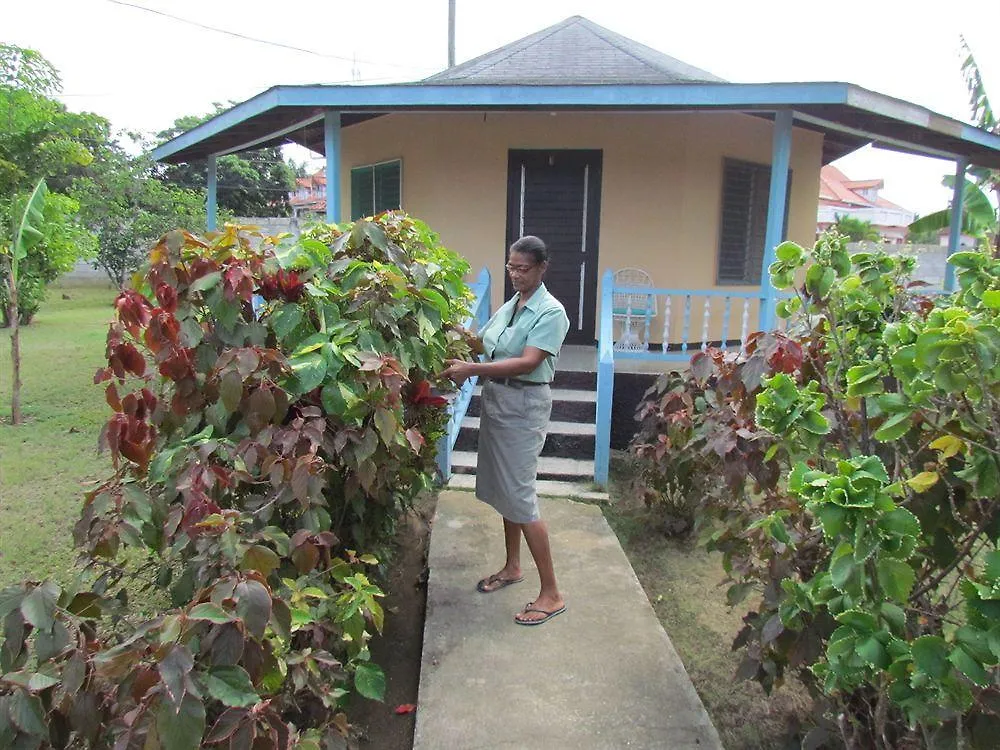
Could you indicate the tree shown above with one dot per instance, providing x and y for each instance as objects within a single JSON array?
[
  {"x": 255, "y": 183},
  {"x": 25, "y": 235},
  {"x": 857, "y": 230},
  {"x": 128, "y": 209},
  {"x": 39, "y": 139},
  {"x": 979, "y": 217}
]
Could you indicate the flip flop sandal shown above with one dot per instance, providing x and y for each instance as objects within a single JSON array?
[
  {"x": 494, "y": 583},
  {"x": 549, "y": 614}
]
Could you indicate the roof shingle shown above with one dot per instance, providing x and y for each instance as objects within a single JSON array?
[{"x": 574, "y": 51}]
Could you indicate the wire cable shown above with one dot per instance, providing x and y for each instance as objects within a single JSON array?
[{"x": 262, "y": 41}]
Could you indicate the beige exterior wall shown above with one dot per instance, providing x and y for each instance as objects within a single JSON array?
[{"x": 661, "y": 183}]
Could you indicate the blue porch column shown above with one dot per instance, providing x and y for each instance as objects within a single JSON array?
[
  {"x": 955, "y": 224},
  {"x": 211, "y": 194},
  {"x": 331, "y": 146},
  {"x": 605, "y": 382},
  {"x": 781, "y": 151}
]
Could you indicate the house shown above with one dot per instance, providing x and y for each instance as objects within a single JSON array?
[
  {"x": 860, "y": 199},
  {"x": 309, "y": 197},
  {"x": 618, "y": 155}
]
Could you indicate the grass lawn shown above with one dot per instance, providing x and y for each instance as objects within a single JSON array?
[
  {"x": 683, "y": 584},
  {"x": 47, "y": 463}
]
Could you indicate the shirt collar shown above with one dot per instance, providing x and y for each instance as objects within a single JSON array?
[{"x": 534, "y": 299}]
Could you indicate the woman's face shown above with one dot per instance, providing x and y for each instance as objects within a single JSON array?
[{"x": 525, "y": 274}]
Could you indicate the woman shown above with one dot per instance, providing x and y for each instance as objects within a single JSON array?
[{"x": 521, "y": 342}]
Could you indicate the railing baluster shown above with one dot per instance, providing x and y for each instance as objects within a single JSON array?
[
  {"x": 650, "y": 302},
  {"x": 705, "y": 314},
  {"x": 666, "y": 324},
  {"x": 725, "y": 324},
  {"x": 744, "y": 325},
  {"x": 687, "y": 323}
]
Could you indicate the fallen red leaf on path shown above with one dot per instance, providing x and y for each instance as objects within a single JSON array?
[{"x": 406, "y": 708}]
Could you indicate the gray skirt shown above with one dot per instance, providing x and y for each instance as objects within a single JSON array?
[{"x": 512, "y": 425}]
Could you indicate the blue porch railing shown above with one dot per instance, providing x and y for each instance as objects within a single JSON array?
[
  {"x": 478, "y": 316},
  {"x": 685, "y": 321}
]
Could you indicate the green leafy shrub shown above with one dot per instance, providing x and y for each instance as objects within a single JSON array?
[
  {"x": 263, "y": 447},
  {"x": 849, "y": 471}
]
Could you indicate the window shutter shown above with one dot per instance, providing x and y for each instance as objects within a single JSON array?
[
  {"x": 743, "y": 229},
  {"x": 362, "y": 192},
  {"x": 387, "y": 186}
]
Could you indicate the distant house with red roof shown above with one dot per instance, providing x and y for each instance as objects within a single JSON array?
[
  {"x": 309, "y": 196},
  {"x": 860, "y": 199}
]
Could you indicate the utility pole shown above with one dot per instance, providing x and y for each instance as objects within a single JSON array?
[{"x": 451, "y": 33}]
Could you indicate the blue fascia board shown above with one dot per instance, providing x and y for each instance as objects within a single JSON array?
[
  {"x": 259, "y": 104},
  {"x": 980, "y": 137},
  {"x": 407, "y": 96}
]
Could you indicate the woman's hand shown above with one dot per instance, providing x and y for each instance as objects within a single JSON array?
[{"x": 458, "y": 370}]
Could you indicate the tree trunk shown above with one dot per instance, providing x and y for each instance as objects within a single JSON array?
[{"x": 15, "y": 349}]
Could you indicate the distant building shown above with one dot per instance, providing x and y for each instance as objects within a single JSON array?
[
  {"x": 309, "y": 196},
  {"x": 860, "y": 199}
]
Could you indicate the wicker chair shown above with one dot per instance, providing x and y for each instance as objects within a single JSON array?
[{"x": 635, "y": 310}]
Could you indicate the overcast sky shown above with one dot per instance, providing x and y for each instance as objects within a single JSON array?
[{"x": 142, "y": 69}]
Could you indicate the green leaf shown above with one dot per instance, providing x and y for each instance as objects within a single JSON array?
[
  {"x": 285, "y": 319},
  {"x": 182, "y": 729},
  {"x": 969, "y": 666},
  {"x": 231, "y": 390},
  {"x": 991, "y": 299},
  {"x": 28, "y": 714},
  {"x": 894, "y": 427},
  {"x": 930, "y": 654},
  {"x": 28, "y": 231},
  {"x": 10, "y": 599},
  {"x": 174, "y": 669},
  {"x": 253, "y": 605},
  {"x": 206, "y": 282},
  {"x": 385, "y": 423},
  {"x": 231, "y": 686},
  {"x": 210, "y": 612},
  {"x": 862, "y": 622},
  {"x": 896, "y": 578},
  {"x": 872, "y": 652},
  {"x": 309, "y": 369},
  {"x": 864, "y": 380},
  {"x": 842, "y": 571},
  {"x": 370, "y": 681},
  {"x": 39, "y": 606},
  {"x": 789, "y": 251},
  {"x": 261, "y": 558}
]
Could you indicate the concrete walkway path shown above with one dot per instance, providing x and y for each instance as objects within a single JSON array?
[{"x": 601, "y": 675}]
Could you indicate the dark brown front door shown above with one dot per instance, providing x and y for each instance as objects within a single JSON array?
[{"x": 556, "y": 195}]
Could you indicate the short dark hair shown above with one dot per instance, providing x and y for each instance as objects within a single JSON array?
[{"x": 533, "y": 246}]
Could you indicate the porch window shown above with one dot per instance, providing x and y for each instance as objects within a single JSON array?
[
  {"x": 375, "y": 188},
  {"x": 745, "y": 191}
]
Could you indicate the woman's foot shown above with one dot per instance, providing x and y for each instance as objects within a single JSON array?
[
  {"x": 543, "y": 609},
  {"x": 499, "y": 580}
]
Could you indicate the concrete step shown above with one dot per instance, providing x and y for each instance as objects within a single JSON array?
[
  {"x": 549, "y": 467},
  {"x": 545, "y": 488},
  {"x": 568, "y": 405},
  {"x": 565, "y": 439}
]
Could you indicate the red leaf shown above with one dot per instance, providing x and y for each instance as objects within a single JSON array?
[
  {"x": 166, "y": 295},
  {"x": 405, "y": 708},
  {"x": 415, "y": 439}
]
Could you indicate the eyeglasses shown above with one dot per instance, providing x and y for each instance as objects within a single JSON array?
[{"x": 519, "y": 269}]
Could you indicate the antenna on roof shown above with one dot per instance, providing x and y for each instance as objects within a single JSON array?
[{"x": 451, "y": 33}]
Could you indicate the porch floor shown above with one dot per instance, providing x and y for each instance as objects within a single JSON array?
[{"x": 582, "y": 358}]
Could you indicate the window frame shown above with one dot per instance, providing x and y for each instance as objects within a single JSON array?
[{"x": 373, "y": 167}]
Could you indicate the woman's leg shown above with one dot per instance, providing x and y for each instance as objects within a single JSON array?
[
  {"x": 549, "y": 599},
  {"x": 511, "y": 571}
]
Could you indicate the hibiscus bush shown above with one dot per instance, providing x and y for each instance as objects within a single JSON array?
[
  {"x": 849, "y": 469},
  {"x": 273, "y": 411}
]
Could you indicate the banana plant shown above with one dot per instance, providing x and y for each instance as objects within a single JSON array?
[
  {"x": 25, "y": 236},
  {"x": 979, "y": 217}
]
